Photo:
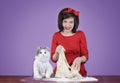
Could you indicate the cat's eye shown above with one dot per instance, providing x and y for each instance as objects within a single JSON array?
[
  {"x": 44, "y": 52},
  {"x": 40, "y": 52}
]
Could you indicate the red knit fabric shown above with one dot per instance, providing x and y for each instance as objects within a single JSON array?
[{"x": 75, "y": 46}]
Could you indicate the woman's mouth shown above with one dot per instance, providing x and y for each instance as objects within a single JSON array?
[{"x": 67, "y": 28}]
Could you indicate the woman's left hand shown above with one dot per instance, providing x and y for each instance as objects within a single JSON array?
[{"x": 76, "y": 63}]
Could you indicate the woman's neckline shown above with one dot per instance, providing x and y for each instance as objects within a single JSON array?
[{"x": 68, "y": 35}]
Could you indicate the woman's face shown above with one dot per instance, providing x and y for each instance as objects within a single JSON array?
[{"x": 68, "y": 24}]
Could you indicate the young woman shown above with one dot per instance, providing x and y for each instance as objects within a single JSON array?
[{"x": 70, "y": 40}]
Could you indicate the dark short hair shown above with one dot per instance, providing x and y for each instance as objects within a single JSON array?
[{"x": 64, "y": 15}]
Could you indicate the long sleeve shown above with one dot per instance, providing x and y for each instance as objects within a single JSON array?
[
  {"x": 83, "y": 45},
  {"x": 53, "y": 47}
]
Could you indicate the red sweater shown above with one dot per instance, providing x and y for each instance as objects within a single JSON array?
[{"x": 75, "y": 46}]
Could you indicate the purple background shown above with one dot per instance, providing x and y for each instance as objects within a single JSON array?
[{"x": 27, "y": 24}]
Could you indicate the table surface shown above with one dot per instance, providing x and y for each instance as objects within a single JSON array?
[{"x": 29, "y": 79}]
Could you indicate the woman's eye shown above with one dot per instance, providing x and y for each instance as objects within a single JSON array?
[
  {"x": 64, "y": 21},
  {"x": 71, "y": 22}
]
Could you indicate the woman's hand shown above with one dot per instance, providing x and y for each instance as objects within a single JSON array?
[
  {"x": 76, "y": 63},
  {"x": 60, "y": 49}
]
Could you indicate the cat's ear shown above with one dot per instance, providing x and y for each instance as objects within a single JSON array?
[
  {"x": 38, "y": 50},
  {"x": 47, "y": 48}
]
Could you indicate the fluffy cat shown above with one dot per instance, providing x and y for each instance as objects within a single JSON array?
[{"x": 42, "y": 67}]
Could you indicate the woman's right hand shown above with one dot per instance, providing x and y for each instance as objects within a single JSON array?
[{"x": 60, "y": 49}]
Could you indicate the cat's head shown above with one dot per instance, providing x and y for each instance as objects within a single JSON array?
[{"x": 43, "y": 54}]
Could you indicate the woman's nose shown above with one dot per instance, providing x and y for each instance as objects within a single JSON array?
[{"x": 67, "y": 24}]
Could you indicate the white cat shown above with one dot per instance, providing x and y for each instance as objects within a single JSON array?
[{"x": 42, "y": 67}]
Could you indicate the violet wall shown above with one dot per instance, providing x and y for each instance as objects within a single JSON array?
[{"x": 27, "y": 24}]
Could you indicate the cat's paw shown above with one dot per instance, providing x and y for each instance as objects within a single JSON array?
[
  {"x": 48, "y": 75},
  {"x": 37, "y": 77}
]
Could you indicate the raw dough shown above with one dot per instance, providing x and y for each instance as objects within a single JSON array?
[{"x": 64, "y": 70}]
